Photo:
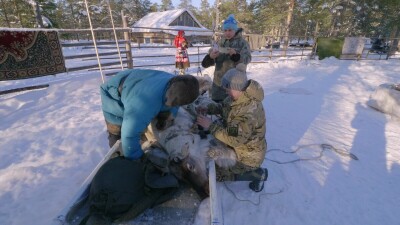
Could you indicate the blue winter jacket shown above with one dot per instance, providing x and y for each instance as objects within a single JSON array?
[{"x": 142, "y": 98}]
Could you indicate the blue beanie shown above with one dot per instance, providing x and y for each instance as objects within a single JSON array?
[{"x": 230, "y": 23}]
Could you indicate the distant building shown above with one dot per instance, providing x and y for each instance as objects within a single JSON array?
[{"x": 162, "y": 27}]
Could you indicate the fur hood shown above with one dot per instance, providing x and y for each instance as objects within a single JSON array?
[
  {"x": 238, "y": 33},
  {"x": 254, "y": 91}
]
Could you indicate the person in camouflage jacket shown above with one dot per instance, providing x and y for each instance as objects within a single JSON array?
[
  {"x": 231, "y": 51},
  {"x": 242, "y": 127}
]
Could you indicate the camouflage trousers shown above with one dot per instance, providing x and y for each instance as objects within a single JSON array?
[
  {"x": 114, "y": 133},
  {"x": 239, "y": 172}
]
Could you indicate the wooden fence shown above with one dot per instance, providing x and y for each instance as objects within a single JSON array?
[{"x": 262, "y": 52}]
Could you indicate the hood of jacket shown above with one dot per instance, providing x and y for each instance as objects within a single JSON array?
[
  {"x": 254, "y": 91},
  {"x": 239, "y": 32}
]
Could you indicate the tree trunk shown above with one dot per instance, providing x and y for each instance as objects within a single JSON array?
[
  {"x": 18, "y": 13},
  {"x": 127, "y": 38},
  {"x": 5, "y": 14},
  {"x": 217, "y": 16},
  {"x": 316, "y": 31},
  {"x": 38, "y": 14},
  {"x": 287, "y": 27}
]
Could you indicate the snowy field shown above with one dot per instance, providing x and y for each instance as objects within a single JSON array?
[{"x": 317, "y": 118}]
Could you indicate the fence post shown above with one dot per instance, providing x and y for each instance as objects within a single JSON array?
[
  {"x": 394, "y": 39},
  {"x": 127, "y": 38}
]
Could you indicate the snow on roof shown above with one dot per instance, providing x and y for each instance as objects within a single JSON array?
[{"x": 154, "y": 20}]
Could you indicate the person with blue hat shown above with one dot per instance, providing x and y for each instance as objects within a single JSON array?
[{"x": 231, "y": 51}]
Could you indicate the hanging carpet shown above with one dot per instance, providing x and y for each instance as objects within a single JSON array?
[{"x": 26, "y": 54}]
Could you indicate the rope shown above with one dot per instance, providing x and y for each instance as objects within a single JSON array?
[
  {"x": 115, "y": 34},
  {"x": 259, "y": 196},
  {"x": 324, "y": 147},
  {"x": 94, "y": 41}
]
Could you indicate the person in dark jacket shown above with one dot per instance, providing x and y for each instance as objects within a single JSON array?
[
  {"x": 133, "y": 98},
  {"x": 231, "y": 51}
]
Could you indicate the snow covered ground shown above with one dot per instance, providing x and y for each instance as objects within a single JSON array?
[{"x": 52, "y": 138}]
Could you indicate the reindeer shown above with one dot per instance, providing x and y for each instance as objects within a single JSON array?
[{"x": 187, "y": 152}]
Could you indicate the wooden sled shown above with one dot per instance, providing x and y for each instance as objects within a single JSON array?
[{"x": 182, "y": 209}]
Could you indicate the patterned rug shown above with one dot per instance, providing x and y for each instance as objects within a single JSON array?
[{"x": 26, "y": 54}]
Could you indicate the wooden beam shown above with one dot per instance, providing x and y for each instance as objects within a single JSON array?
[
  {"x": 93, "y": 66},
  {"x": 215, "y": 204},
  {"x": 92, "y": 55},
  {"x": 24, "y": 89},
  {"x": 90, "y": 43}
]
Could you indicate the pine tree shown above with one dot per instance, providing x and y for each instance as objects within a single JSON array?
[
  {"x": 205, "y": 15},
  {"x": 166, "y": 5}
]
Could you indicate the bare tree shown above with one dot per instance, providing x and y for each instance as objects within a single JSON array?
[
  {"x": 38, "y": 14},
  {"x": 287, "y": 27}
]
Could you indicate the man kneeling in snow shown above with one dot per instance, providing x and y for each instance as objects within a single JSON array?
[{"x": 242, "y": 127}]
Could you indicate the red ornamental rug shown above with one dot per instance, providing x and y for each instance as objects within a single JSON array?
[{"x": 26, "y": 54}]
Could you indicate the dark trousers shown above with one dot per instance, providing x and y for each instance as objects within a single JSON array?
[
  {"x": 112, "y": 138},
  {"x": 114, "y": 133}
]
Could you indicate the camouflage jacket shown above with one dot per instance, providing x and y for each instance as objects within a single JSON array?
[
  {"x": 243, "y": 125},
  {"x": 223, "y": 62}
]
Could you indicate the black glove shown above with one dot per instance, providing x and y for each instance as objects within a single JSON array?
[
  {"x": 162, "y": 118},
  {"x": 207, "y": 61},
  {"x": 235, "y": 57}
]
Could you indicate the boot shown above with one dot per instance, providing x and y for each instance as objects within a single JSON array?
[
  {"x": 257, "y": 178},
  {"x": 257, "y": 184}
]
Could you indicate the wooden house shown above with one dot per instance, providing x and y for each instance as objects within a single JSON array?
[{"x": 162, "y": 27}]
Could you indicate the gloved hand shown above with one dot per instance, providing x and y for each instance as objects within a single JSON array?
[
  {"x": 164, "y": 120},
  {"x": 207, "y": 61},
  {"x": 235, "y": 57}
]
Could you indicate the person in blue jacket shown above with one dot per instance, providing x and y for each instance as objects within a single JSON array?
[{"x": 133, "y": 98}]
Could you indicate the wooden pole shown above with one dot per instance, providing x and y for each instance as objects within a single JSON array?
[
  {"x": 115, "y": 34},
  {"x": 128, "y": 41},
  {"x": 94, "y": 41},
  {"x": 287, "y": 27}
]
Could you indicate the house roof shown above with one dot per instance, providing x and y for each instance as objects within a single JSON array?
[{"x": 154, "y": 20}]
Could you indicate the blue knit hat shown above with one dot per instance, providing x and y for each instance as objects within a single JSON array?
[{"x": 230, "y": 23}]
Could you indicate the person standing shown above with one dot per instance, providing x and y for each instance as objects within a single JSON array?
[
  {"x": 181, "y": 55},
  {"x": 231, "y": 51},
  {"x": 133, "y": 98},
  {"x": 242, "y": 127}
]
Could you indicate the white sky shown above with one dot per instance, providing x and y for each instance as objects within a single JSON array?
[{"x": 51, "y": 139}]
